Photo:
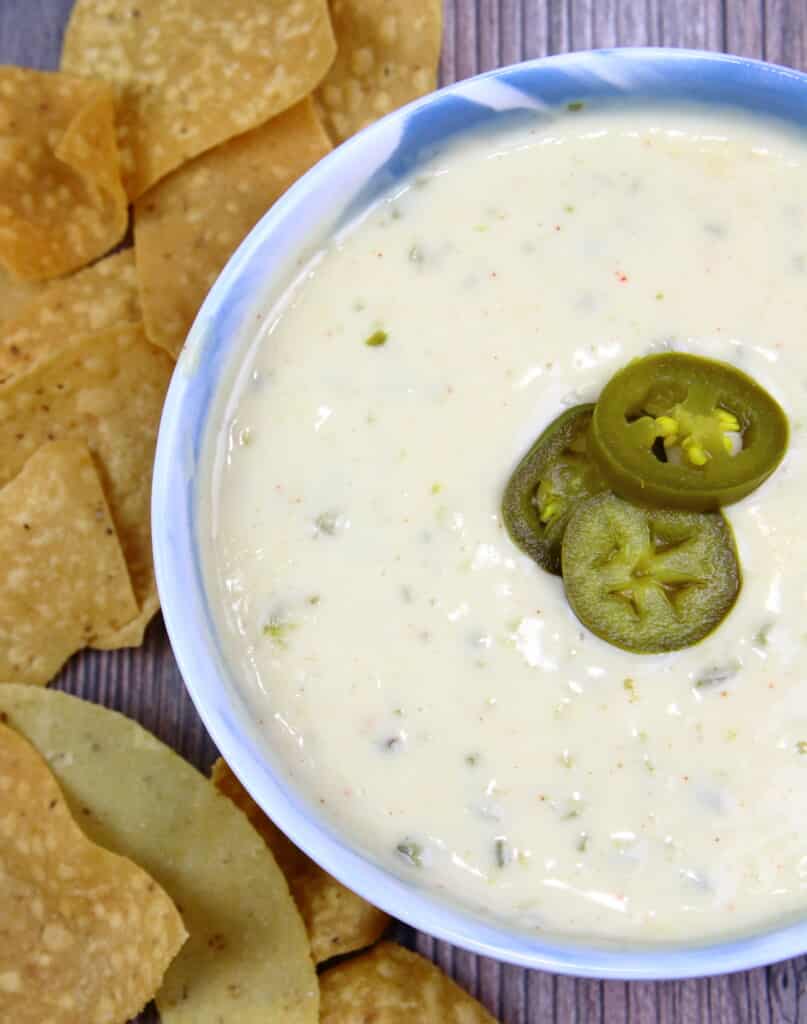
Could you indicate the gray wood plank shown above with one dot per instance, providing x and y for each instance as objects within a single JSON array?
[
  {"x": 784, "y": 29},
  {"x": 31, "y": 31},
  {"x": 594, "y": 24},
  {"x": 744, "y": 27},
  {"x": 695, "y": 24},
  {"x": 145, "y": 684}
]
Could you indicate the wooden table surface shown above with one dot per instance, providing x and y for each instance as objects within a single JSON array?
[{"x": 146, "y": 684}]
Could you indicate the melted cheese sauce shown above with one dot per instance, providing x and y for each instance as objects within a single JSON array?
[{"x": 425, "y": 683}]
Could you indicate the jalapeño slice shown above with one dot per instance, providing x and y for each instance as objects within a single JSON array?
[
  {"x": 679, "y": 431},
  {"x": 649, "y": 580},
  {"x": 554, "y": 475}
]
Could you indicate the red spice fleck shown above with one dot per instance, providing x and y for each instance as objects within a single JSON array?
[
  {"x": 621, "y": 276},
  {"x": 557, "y": 227}
]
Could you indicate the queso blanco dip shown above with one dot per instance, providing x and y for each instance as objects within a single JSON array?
[{"x": 424, "y": 683}]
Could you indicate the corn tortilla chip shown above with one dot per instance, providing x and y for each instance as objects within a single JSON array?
[
  {"x": 59, "y": 312},
  {"x": 131, "y": 635},
  {"x": 388, "y": 53},
  {"x": 62, "y": 203},
  {"x": 64, "y": 579},
  {"x": 15, "y": 295},
  {"x": 391, "y": 985},
  {"x": 193, "y": 74},
  {"x": 85, "y": 935},
  {"x": 188, "y": 226},
  {"x": 106, "y": 389},
  {"x": 247, "y": 959},
  {"x": 336, "y": 919}
]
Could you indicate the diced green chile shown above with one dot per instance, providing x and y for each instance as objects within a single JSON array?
[
  {"x": 649, "y": 580},
  {"x": 675, "y": 430},
  {"x": 552, "y": 478}
]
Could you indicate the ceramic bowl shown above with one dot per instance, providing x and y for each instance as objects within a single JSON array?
[{"x": 327, "y": 197}]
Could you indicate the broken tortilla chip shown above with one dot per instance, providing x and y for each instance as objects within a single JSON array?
[
  {"x": 64, "y": 579},
  {"x": 106, "y": 389},
  {"x": 336, "y": 919},
  {"x": 62, "y": 203},
  {"x": 388, "y": 52},
  {"x": 391, "y": 985},
  {"x": 59, "y": 312},
  {"x": 85, "y": 935},
  {"x": 193, "y": 74},
  {"x": 188, "y": 226},
  {"x": 247, "y": 958}
]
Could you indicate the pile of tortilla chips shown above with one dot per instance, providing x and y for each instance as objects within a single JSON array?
[
  {"x": 128, "y": 875},
  {"x": 200, "y": 115}
]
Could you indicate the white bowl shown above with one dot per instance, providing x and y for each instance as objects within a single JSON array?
[{"x": 327, "y": 196}]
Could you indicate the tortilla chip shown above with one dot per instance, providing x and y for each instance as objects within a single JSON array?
[
  {"x": 194, "y": 73},
  {"x": 336, "y": 919},
  {"x": 188, "y": 226},
  {"x": 247, "y": 958},
  {"x": 62, "y": 203},
  {"x": 14, "y": 295},
  {"x": 106, "y": 389},
  {"x": 85, "y": 935},
  {"x": 391, "y": 985},
  {"x": 131, "y": 635},
  {"x": 64, "y": 579},
  {"x": 63, "y": 311},
  {"x": 388, "y": 54}
]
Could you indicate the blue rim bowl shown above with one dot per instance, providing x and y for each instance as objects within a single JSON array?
[{"x": 327, "y": 197}]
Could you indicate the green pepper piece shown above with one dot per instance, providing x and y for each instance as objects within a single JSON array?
[
  {"x": 554, "y": 475},
  {"x": 679, "y": 431},
  {"x": 649, "y": 580}
]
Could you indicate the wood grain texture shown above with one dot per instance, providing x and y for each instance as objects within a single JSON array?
[{"x": 145, "y": 684}]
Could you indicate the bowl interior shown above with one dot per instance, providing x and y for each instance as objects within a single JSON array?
[{"x": 329, "y": 197}]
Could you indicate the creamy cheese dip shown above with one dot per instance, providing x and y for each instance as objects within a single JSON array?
[{"x": 425, "y": 684}]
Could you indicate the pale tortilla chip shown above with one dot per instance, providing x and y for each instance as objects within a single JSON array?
[
  {"x": 188, "y": 226},
  {"x": 60, "y": 312},
  {"x": 391, "y": 985},
  {"x": 64, "y": 580},
  {"x": 62, "y": 203},
  {"x": 85, "y": 935},
  {"x": 388, "y": 54},
  {"x": 194, "y": 73},
  {"x": 247, "y": 960},
  {"x": 15, "y": 295},
  {"x": 336, "y": 919},
  {"x": 106, "y": 389},
  {"x": 131, "y": 635}
]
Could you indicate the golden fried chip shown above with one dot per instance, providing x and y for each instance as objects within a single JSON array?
[
  {"x": 85, "y": 935},
  {"x": 106, "y": 389},
  {"x": 14, "y": 295},
  {"x": 131, "y": 635},
  {"x": 247, "y": 960},
  {"x": 64, "y": 579},
  {"x": 337, "y": 920},
  {"x": 62, "y": 203},
  {"x": 388, "y": 53},
  {"x": 391, "y": 985},
  {"x": 63, "y": 311},
  {"x": 194, "y": 73},
  {"x": 188, "y": 226}
]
